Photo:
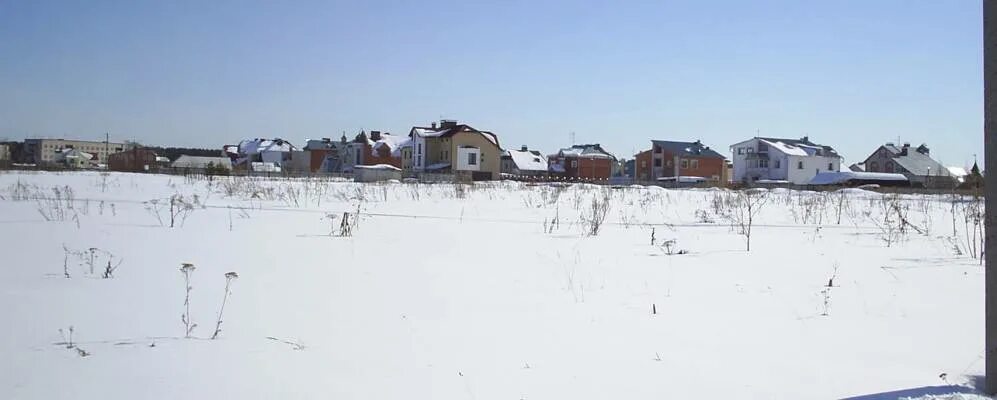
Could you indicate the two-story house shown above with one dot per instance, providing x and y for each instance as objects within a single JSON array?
[
  {"x": 582, "y": 161},
  {"x": 914, "y": 163},
  {"x": 670, "y": 159},
  {"x": 794, "y": 161},
  {"x": 454, "y": 148}
]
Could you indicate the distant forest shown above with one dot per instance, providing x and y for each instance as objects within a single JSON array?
[{"x": 173, "y": 153}]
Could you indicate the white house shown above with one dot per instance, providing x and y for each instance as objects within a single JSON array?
[{"x": 794, "y": 161}]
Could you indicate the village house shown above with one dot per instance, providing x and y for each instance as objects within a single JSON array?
[
  {"x": 324, "y": 155},
  {"x": 374, "y": 149},
  {"x": 773, "y": 160},
  {"x": 135, "y": 160},
  {"x": 386, "y": 149},
  {"x": 469, "y": 153},
  {"x": 524, "y": 162},
  {"x": 677, "y": 161},
  {"x": 73, "y": 158},
  {"x": 267, "y": 155},
  {"x": 914, "y": 163},
  {"x": 582, "y": 161}
]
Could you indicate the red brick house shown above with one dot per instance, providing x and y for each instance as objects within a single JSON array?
[
  {"x": 582, "y": 161},
  {"x": 668, "y": 159}
]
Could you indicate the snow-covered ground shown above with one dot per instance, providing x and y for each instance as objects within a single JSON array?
[{"x": 471, "y": 292}]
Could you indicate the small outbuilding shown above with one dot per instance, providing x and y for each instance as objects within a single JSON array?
[{"x": 376, "y": 173}]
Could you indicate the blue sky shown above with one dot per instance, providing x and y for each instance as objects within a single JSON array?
[{"x": 851, "y": 74}]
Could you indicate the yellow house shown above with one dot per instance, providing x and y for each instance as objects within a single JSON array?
[{"x": 455, "y": 148}]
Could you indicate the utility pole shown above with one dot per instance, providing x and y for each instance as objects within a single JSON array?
[
  {"x": 107, "y": 145},
  {"x": 990, "y": 183}
]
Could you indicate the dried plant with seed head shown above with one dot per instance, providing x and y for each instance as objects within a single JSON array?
[
  {"x": 187, "y": 269},
  {"x": 229, "y": 277}
]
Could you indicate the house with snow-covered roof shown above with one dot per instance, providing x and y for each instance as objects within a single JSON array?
[
  {"x": 257, "y": 152},
  {"x": 361, "y": 151},
  {"x": 914, "y": 163},
  {"x": 582, "y": 161},
  {"x": 769, "y": 160},
  {"x": 524, "y": 162},
  {"x": 451, "y": 147},
  {"x": 667, "y": 159}
]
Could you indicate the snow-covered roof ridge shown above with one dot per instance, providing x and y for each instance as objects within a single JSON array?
[
  {"x": 784, "y": 148},
  {"x": 394, "y": 143},
  {"x": 803, "y": 143},
  {"x": 695, "y": 149},
  {"x": 586, "y": 151},
  {"x": 260, "y": 145},
  {"x": 452, "y": 128},
  {"x": 527, "y": 160}
]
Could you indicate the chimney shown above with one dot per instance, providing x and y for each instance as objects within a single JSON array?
[
  {"x": 805, "y": 139},
  {"x": 903, "y": 150},
  {"x": 524, "y": 148},
  {"x": 375, "y": 135},
  {"x": 448, "y": 123},
  {"x": 923, "y": 149},
  {"x": 433, "y": 125}
]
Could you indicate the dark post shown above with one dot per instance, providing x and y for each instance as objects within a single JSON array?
[{"x": 990, "y": 182}]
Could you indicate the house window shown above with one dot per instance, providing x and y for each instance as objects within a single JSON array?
[
  {"x": 418, "y": 161},
  {"x": 763, "y": 163},
  {"x": 657, "y": 150},
  {"x": 889, "y": 166},
  {"x": 574, "y": 163},
  {"x": 830, "y": 166},
  {"x": 420, "y": 149},
  {"x": 643, "y": 164},
  {"x": 873, "y": 166},
  {"x": 740, "y": 150},
  {"x": 657, "y": 162},
  {"x": 472, "y": 159},
  {"x": 694, "y": 164},
  {"x": 685, "y": 164},
  {"x": 751, "y": 150},
  {"x": 799, "y": 165},
  {"x": 777, "y": 164}
]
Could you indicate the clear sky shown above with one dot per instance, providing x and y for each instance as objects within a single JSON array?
[{"x": 851, "y": 74}]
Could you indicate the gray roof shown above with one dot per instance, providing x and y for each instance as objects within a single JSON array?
[
  {"x": 694, "y": 149},
  {"x": 921, "y": 165}
]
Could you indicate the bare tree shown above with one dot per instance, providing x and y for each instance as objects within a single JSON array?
[{"x": 744, "y": 207}]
